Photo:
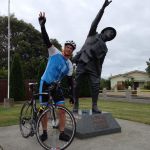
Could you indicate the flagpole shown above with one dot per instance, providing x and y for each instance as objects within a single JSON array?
[{"x": 8, "y": 92}]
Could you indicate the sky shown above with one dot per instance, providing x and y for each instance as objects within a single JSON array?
[{"x": 71, "y": 20}]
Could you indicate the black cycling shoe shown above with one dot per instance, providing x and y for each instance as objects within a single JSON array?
[
  {"x": 43, "y": 137},
  {"x": 95, "y": 110},
  {"x": 64, "y": 137}
]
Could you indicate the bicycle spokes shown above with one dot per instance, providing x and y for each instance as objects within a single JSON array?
[
  {"x": 56, "y": 140},
  {"x": 27, "y": 123}
]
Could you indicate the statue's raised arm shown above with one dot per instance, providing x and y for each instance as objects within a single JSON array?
[{"x": 98, "y": 18}]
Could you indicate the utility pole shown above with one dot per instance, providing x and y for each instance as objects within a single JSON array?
[
  {"x": 8, "y": 92},
  {"x": 8, "y": 101}
]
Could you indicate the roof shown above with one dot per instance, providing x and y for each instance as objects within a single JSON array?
[{"x": 128, "y": 73}]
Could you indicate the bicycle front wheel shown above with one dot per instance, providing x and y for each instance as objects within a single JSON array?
[
  {"x": 25, "y": 120},
  {"x": 58, "y": 118}
]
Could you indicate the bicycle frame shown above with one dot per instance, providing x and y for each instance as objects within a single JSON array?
[{"x": 32, "y": 125}]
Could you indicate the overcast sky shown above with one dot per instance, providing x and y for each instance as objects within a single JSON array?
[{"x": 71, "y": 20}]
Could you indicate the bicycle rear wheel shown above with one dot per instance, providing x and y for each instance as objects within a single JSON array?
[
  {"x": 26, "y": 119},
  {"x": 53, "y": 141}
]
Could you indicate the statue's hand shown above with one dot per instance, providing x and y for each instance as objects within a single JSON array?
[
  {"x": 106, "y": 3},
  {"x": 42, "y": 19}
]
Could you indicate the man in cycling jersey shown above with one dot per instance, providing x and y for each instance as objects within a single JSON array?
[
  {"x": 57, "y": 67},
  {"x": 90, "y": 58}
]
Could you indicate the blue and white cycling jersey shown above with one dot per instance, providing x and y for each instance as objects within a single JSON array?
[{"x": 57, "y": 67}]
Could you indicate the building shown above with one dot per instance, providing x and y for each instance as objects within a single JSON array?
[{"x": 139, "y": 78}]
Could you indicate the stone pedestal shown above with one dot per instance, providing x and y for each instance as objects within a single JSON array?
[
  {"x": 8, "y": 102},
  {"x": 91, "y": 125}
]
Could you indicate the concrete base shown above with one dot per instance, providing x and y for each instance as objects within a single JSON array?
[
  {"x": 8, "y": 102},
  {"x": 91, "y": 125}
]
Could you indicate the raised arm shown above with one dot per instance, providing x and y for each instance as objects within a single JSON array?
[
  {"x": 98, "y": 18},
  {"x": 42, "y": 21}
]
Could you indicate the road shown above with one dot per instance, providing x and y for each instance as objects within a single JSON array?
[{"x": 134, "y": 136}]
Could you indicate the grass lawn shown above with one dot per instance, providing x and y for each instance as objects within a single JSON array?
[
  {"x": 9, "y": 116},
  {"x": 123, "y": 110}
]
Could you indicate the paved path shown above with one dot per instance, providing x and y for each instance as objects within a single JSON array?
[{"x": 134, "y": 136}]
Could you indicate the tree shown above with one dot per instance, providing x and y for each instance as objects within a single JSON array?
[
  {"x": 105, "y": 83},
  {"x": 129, "y": 82},
  {"x": 16, "y": 79},
  {"x": 3, "y": 74},
  {"x": 56, "y": 43},
  {"x": 147, "y": 85},
  {"x": 41, "y": 69},
  {"x": 148, "y": 67},
  {"x": 25, "y": 41}
]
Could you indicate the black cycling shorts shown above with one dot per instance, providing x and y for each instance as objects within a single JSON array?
[{"x": 56, "y": 93}]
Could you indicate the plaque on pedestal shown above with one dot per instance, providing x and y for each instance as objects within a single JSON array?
[{"x": 91, "y": 125}]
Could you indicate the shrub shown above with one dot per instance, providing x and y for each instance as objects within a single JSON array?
[{"x": 17, "y": 90}]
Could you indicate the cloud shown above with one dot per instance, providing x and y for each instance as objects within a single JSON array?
[{"x": 71, "y": 19}]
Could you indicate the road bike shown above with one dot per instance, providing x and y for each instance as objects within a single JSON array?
[{"x": 31, "y": 118}]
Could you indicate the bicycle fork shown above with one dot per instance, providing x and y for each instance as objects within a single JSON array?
[{"x": 55, "y": 122}]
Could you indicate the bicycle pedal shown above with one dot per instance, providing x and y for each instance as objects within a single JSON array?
[
  {"x": 23, "y": 122},
  {"x": 32, "y": 133}
]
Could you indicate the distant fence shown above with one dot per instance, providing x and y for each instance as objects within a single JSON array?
[
  {"x": 129, "y": 95},
  {"x": 3, "y": 89},
  {"x": 138, "y": 95}
]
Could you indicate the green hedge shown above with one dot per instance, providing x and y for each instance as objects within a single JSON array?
[
  {"x": 3, "y": 74},
  {"x": 17, "y": 90}
]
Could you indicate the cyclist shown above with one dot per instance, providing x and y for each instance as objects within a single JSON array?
[
  {"x": 90, "y": 59},
  {"x": 57, "y": 67}
]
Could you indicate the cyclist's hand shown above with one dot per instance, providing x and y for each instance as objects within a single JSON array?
[{"x": 42, "y": 19}]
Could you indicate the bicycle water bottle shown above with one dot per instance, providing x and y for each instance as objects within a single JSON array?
[{"x": 41, "y": 109}]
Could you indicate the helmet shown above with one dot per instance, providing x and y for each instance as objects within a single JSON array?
[{"x": 72, "y": 43}]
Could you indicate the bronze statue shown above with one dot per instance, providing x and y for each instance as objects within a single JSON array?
[{"x": 90, "y": 58}]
